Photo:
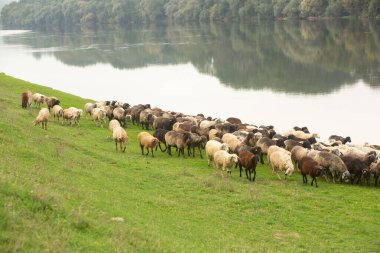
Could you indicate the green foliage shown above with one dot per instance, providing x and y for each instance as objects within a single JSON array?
[{"x": 41, "y": 13}]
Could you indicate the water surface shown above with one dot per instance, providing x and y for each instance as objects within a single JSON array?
[{"x": 324, "y": 75}]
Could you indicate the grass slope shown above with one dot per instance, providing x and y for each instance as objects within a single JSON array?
[{"x": 60, "y": 188}]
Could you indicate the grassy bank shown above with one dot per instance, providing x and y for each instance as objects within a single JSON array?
[{"x": 60, "y": 188}]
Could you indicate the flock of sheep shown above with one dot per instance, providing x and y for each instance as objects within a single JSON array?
[{"x": 228, "y": 143}]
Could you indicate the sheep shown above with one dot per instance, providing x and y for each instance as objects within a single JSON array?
[
  {"x": 332, "y": 163},
  {"x": 375, "y": 169},
  {"x": 297, "y": 153},
  {"x": 146, "y": 140},
  {"x": 177, "y": 139},
  {"x": 164, "y": 123},
  {"x": 77, "y": 114},
  {"x": 58, "y": 112},
  {"x": 88, "y": 108},
  {"x": 357, "y": 168},
  {"x": 273, "y": 149},
  {"x": 119, "y": 114},
  {"x": 265, "y": 142},
  {"x": 43, "y": 118},
  {"x": 211, "y": 147},
  {"x": 207, "y": 124},
  {"x": 226, "y": 127},
  {"x": 146, "y": 119},
  {"x": 38, "y": 99},
  {"x": 333, "y": 138},
  {"x": 224, "y": 161},
  {"x": 290, "y": 144},
  {"x": 99, "y": 115},
  {"x": 120, "y": 136},
  {"x": 249, "y": 161},
  {"x": 51, "y": 102},
  {"x": 68, "y": 115},
  {"x": 160, "y": 135},
  {"x": 214, "y": 133},
  {"x": 308, "y": 166},
  {"x": 281, "y": 161},
  {"x": 231, "y": 140},
  {"x": 26, "y": 99},
  {"x": 233, "y": 120},
  {"x": 303, "y": 135},
  {"x": 195, "y": 141},
  {"x": 113, "y": 124}
]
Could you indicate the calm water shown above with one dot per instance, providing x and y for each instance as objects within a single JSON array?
[{"x": 324, "y": 75}]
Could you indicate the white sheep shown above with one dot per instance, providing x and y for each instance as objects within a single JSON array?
[
  {"x": 207, "y": 124},
  {"x": 305, "y": 136},
  {"x": 224, "y": 161},
  {"x": 273, "y": 149},
  {"x": 113, "y": 124},
  {"x": 120, "y": 136},
  {"x": 88, "y": 108},
  {"x": 43, "y": 118},
  {"x": 58, "y": 112},
  {"x": 281, "y": 161},
  {"x": 99, "y": 115},
  {"x": 297, "y": 153},
  {"x": 38, "y": 99},
  {"x": 231, "y": 140},
  {"x": 211, "y": 147}
]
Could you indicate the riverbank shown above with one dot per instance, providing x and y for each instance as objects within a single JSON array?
[{"x": 61, "y": 188}]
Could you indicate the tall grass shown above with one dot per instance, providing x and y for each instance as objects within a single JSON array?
[{"x": 60, "y": 188}]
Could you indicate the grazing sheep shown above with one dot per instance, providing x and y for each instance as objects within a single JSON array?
[
  {"x": 273, "y": 149},
  {"x": 332, "y": 163},
  {"x": 113, "y": 124},
  {"x": 26, "y": 99},
  {"x": 207, "y": 124},
  {"x": 195, "y": 141},
  {"x": 249, "y": 161},
  {"x": 160, "y": 135},
  {"x": 226, "y": 127},
  {"x": 77, "y": 114},
  {"x": 120, "y": 136},
  {"x": 211, "y": 147},
  {"x": 58, "y": 112},
  {"x": 38, "y": 99},
  {"x": 146, "y": 140},
  {"x": 68, "y": 115},
  {"x": 290, "y": 144},
  {"x": 281, "y": 161},
  {"x": 43, "y": 118},
  {"x": 308, "y": 166},
  {"x": 51, "y": 102},
  {"x": 88, "y": 107},
  {"x": 214, "y": 133},
  {"x": 99, "y": 115},
  {"x": 177, "y": 139},
  {"x": 224, "y": 161},
  {"x": 333, "y": 138},
  {"x": 357, "y": 169}
]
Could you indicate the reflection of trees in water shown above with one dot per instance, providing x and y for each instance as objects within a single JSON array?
[{"x": 292, "y": 56}]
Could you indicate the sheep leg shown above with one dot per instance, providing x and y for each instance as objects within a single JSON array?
[
  {"x": 142, "y": 149},
  {"x": 254, "y": 175},
  {"x": 376, "y": 177},
  {"x": 125, "y": 146},
  {"x": 152, "y": 152},
  {"x": 147, "y": 153},
  {"x": 116, "y": 144},
  {"x": 121, "y": 146},
  {"x": 247, "y": 171},
  {"x": 261, "y": 158},
  {"x": 200, "y": 151},
  {"x": 169, "y": 150}
]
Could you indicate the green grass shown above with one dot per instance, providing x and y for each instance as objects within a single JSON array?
[{"x": 60, "y": 188}]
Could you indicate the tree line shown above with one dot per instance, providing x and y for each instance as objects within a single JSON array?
[{"x": 37, "y": 13}]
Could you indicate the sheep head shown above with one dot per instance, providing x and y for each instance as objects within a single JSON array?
[{"x": 346, "y": 176}]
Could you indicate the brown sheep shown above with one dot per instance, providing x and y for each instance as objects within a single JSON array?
[
  {"x": 146, "y": 140},
  {"x": 51, "y": 102},
  {"x": 177, "y": 139},
  {"x": 26, "y": 99},
  {"x": 249, "y": 162},
  {"x": 308, "y": 166}
]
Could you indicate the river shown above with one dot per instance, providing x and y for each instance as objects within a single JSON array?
[{"x": 320, "y": 74}]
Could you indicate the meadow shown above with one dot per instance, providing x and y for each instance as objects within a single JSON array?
[{"x": 60, "y": 189}]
